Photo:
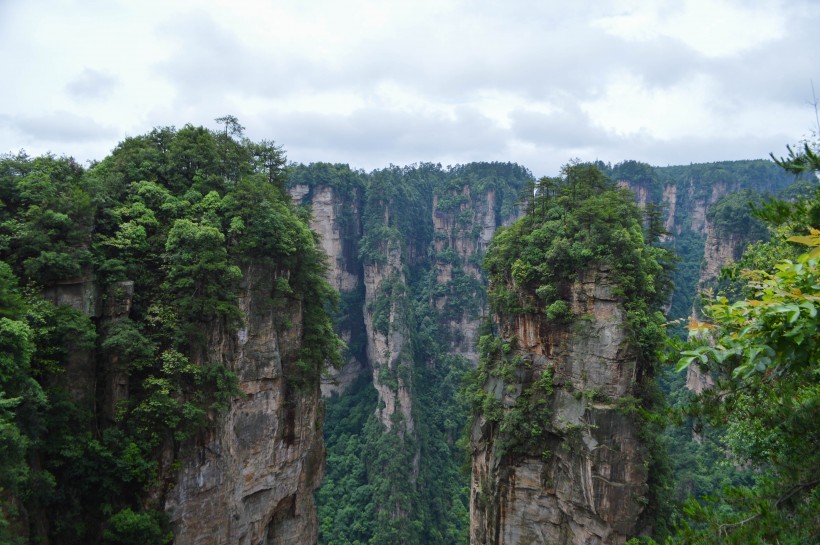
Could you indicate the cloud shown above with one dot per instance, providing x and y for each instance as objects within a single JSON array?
[
  {"x": 569, "y": 128},
  {"x": 712, "y": 28},
  {"x": 91, "y": 84},
  {"x": 61, "y": 126},
  {"x": 371, "y": 83},
  {"x": 373, "y": 137}
]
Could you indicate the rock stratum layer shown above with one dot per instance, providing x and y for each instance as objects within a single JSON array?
[
  {"x": 251, "y": 481},
  {"x": 586, "y": 481}
]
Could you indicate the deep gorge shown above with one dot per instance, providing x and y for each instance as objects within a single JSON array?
[{"x": 170, "y": 353}]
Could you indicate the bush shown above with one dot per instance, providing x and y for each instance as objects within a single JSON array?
[
  {"x": 559, "y": 311},
  {"x": 130, "y": 528}
]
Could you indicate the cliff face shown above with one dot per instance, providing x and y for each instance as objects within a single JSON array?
[
  {"x": 412, "y": 301},
  {"x": 584, "y": 481},
  {"x": 386, "y": 326},
  {"x": 462, "y": 235},
  {"x": 720, "y": 250},
  {"x": 251, "y": 481},
  {"x": 336, "y": 216}
]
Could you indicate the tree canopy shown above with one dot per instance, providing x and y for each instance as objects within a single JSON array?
[
  {"x": 764, "y": 351},
  {"x": 172, "y": 222}
]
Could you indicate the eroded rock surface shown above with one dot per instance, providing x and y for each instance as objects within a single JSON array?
[
  {"x": 251, "y": 481},
  {"x": 585, "y": 480},
  {"x": 336, "y": 218}
]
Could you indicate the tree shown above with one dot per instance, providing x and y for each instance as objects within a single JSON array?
[
  {"x": 271, "y": 160},
  {"x": 232, "y": 126},
  {"x": 764, "y": 350},
  {"x": 200, "y": 276}
]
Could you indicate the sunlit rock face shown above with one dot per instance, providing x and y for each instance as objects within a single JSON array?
[
  {"x": 585, "y": 481},
  {"x": 251, "y": 481}
]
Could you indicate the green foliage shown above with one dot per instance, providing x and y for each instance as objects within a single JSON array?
[
  {"x": 45, "y": 217},
  {"x": 200, "y": 279},
  {"x": 732, "y": 215},
  {"x": 579, "y": 221},
  {"x": 129, "y": 528},
  {"x": 184, "y": 214},
  {"x": 805, "y": 160},
  {"x": 345, "y": 499},
  {"x": 559, "y": 311},
  {"x": 763, "y": 351}
]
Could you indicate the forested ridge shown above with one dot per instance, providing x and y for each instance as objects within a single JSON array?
[
  {"x": 118, "y": 278},
  {"x": 582, "y": 273},
  {"x": 420, "y": 236},
  {"x": 99, "y": 402}
]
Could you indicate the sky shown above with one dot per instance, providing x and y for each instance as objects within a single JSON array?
[{"x": 374, "y": 83}]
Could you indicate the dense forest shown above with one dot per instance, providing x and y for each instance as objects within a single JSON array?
[
  {"x": 101, "y": 398},
  {"x": 129, "y": 289},
  {"x": 759, "y": 343},
  {"x": 421, "y": 230}
]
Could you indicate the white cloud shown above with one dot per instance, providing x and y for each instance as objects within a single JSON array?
[
  {"x": 91, "y": 84},
  {"x": 629, "y": 106},
  {"x": 373, "y": 82},
  {"x": 713, "y": 28}
]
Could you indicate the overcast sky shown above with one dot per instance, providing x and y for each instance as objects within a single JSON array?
[{"x": 372, "y": 83}]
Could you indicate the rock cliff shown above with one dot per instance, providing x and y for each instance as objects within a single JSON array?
[
  {"x": 412, "y": 306},
  {"x": 335, "y": 216},
  {"x": 251, "y": 480},
  {"x": 583, "y": 479},
  {"x": 462, "y": 235}
]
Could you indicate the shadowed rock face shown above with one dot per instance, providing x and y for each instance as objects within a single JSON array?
[
  {"x": 336, "y": 217},
  {"x": 584, "y": 482},
  {"x": 251, "y": 481}
]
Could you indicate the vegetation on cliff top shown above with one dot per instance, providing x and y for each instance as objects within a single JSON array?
[
  {"x": 575, "y": 224},
  {"x": 183, "y": 214}
]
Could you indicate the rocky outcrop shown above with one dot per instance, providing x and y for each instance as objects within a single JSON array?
[
  {"x": 462, "y": 235},
  {"x": 251, "y": 481},
  {"x": 581, "y": 478},
  {"x": 720, "y": 250},
  {"x": 80, "y": 371},
  {"x": 337, "y": 233},
  {"x": 116, "y": 306},
  {"x": 388, "y": 348},
  {"x": 336, "y": 218},
  {"x": 670, "y": 200}
]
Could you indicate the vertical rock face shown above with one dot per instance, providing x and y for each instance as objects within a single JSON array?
[
  {"x": 720, "y": 250},
  {"x": 336, "y": 218},
  {"x": 335, "y": 231},
  {"x": 583, "y": 481},
  {"x": 117, "y": 305},
  {"x": 80, "y": 373},
  {"x": 387, "y": 337},
  {"x": 251, "y": 481},
  {"x": 462, "y": 235},
  {"x": 670, "y": 199}
]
